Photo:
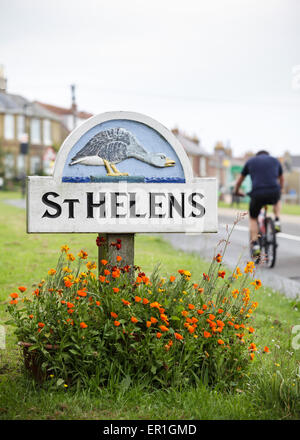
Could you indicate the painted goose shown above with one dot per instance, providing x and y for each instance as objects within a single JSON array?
[{"x": 109, "y": 147}]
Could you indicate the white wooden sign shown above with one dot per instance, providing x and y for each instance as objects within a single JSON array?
[{"x": 121, "y": 172}]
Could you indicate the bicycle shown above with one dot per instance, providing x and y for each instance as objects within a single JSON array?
[{"x": 267, "y": 239}]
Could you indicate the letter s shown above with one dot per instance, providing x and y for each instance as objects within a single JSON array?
[{"x": 51, "y": 204}]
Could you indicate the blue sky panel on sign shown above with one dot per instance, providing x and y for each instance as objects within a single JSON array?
[{"x": 136, "y": 150}]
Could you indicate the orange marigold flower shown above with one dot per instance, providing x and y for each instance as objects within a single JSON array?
[
  {"x": 200, "y": 312},
  {"x": 102, "y": 278},
  {"x": 172, "y": 278},
  {"x": 180, "y": 271},
  {"x": 81, "y": 293},
  {"x": 184, "y": 313},
  {"x": 206, "y": 277},
  {"x": 119, "y": 258},
  {"x": 98, "y": 303},
  {"x": 266, "y": 349},
  {"x": 252, "y": 347},
  {"x": 22, "y": 289},
  {"x": 256, "y": 284},
  {"x": 191, "y": 329},
  {"x": 158, "y": 335},
  {"x": 137, "y": 299},
  {"x": 125, "y": 302},
  {"x": 63, "y": 302},
  {"x": 145, "y": 301},
  {"x": 13, "y": 301},
  {"x": 64, "y": 248},
  {"x": 220, "y": 311},
  {"x": 14, "y": 295},
  {"x": 211, "y": 317},
  {"x": 68, "y": 283},
  {"x": 163, "y": 328},
  {"x": 220, "y": 342},
  {"x": 148, "y": 324},
  {"x": 70, "y": 305},
  {"x": 206, "y": 334},
  {"x": 106, "y": 272},
  {"x": 70, "y": 311},
  {"x": 194, "y": 319},
  {"x": 252, "y": 356},
  {"x": 200, "y": 290},
  {"x": 153, "y": 320},
  {"x": 51, "y": 272},
  {"x": 70, "y": 257},
  {"x": 191, "y": 306},
  {"x": 82, "y": 254},
  {"x": 178, "y": 336},
  {"x": 116, "y": 289},
  {"x": 115, "y": 273},
  {"x": 31, "y": 316},
  {"x": 134, "y": 319},
  {"x": 163, "y": 317},
  {"x": 221, "y": 273},
  {"x": 113, "y": 315},
  {"x": 251, "y": 330},
  {"x": 154, "y": 304},
  {"x": 41, "y": 325},
  {"x": 138, "y": 280},
  {"x": 117, "y": 323},
  {"x": 204, "y": 307},
  {"x": 218, "y": 258},
  {"x": 83, "y": 325}
]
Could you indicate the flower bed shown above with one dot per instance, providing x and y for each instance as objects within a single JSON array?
[{"x": 151, "y": 329}]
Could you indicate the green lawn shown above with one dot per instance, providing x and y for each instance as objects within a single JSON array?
[
  {"x": 289, "y": 209},
  {"x": 271, "y": 390}
]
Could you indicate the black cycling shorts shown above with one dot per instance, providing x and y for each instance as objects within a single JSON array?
[{"x": 259, "y": 200}]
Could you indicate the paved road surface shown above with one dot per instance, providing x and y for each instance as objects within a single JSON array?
[{"x": 285, "y": 276}]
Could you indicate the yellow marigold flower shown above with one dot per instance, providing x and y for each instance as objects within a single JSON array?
[
  {"x": 91, "y": 265},
  {"x": 64, "y": 248},
  {"x": 67, "y": 269}
]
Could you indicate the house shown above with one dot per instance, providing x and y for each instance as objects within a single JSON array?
[
  {"x": 69, "y": 117},
  {"x": 195, "y": 152},
  {"x": 31, "y": 133}
]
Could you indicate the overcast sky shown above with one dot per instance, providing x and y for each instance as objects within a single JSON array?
[{"x": 222, "y": 69}]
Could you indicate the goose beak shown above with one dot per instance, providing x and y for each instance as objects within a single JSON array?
[{"x": 169, "y": 162}]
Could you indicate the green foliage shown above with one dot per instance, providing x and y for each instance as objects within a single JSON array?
[{"x": 162, "y": 331}]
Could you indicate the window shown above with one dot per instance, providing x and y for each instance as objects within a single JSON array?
[
  {"x": 9, "y": 126},
  {"x": 21, "y": 164},
  {"x": 35, "y": 131},
  {"x": 9, "y": 165},
  {"x": 47, "y": 140},
  {"x": 35, "y": 164},
  {"x": 21, "y": 127}
]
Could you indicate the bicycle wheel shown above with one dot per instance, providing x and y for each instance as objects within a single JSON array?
[{"x": 269, "y": 243}]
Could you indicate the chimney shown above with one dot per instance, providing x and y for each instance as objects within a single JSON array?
[{"x": 3, "y": 80}]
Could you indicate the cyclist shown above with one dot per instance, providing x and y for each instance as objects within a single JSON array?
[{"x": 267, "y": 182}]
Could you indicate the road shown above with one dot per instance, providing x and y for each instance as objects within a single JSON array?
[{"x": 285, "y": 276}]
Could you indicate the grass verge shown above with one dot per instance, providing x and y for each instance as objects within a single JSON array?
[{"x": 271, "y": 390}]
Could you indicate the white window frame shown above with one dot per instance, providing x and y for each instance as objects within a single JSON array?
[
  {"x": 21, "y": 129},
  {"x": 9, "y": 126},
  {"x": 47, "y": 138},
  {"x": 35, "y": 131}
]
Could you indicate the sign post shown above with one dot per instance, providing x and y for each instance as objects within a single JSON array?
[{"x": 118, "y": 174}]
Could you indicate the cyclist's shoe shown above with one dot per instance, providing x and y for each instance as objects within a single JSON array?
[
  {"x": 256, "y": 250},
  {"x": 277, "y": 225}
]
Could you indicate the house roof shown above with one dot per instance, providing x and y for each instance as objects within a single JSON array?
[
  {"x": 61, "y": 111},
  {"x": 192, "y": 147},
  {"x": 17, "y": 104}
]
